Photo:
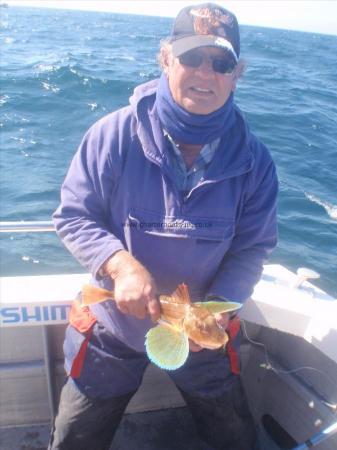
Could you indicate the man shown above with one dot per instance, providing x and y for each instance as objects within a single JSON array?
[{"x": 173, "y": 188}]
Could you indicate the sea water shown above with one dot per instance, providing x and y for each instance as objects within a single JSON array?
[{"x": 63, "y": 70}]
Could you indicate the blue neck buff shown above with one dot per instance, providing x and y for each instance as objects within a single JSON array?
[{"x": 189, "y": 128}]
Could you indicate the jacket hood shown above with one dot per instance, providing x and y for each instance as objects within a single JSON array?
[{"x": 142, "y": 91}]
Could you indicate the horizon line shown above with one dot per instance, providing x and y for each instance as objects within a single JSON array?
[{"x": 271, "y": 27}]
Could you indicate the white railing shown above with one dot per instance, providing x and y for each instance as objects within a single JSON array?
[{"x": 26, "y": 226}]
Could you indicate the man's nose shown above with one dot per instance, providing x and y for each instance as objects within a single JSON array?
[{"x": 206, "y": 68}]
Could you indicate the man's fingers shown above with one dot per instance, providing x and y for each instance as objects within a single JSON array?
[
  {"x": 222, "y": 319},
  {"x": 133, "y": 307},
  {"x": 194, "y": 347},
  {"x": 153, "y": 308},
  {"x": 122, "y": 306}
]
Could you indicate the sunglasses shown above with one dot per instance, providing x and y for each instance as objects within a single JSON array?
[{"x": 195, "y": 59}]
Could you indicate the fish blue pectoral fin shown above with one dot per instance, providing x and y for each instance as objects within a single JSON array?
[
  {"x": 220, "y": 307},
  {"x": 166, "y": 347}
]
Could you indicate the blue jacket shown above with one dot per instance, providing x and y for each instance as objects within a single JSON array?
[{"x": 120, "y": 193}]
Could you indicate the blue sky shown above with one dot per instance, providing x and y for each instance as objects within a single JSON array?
[{"x": 318, "y": 16}]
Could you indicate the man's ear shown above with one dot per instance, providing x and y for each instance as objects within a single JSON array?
[
  {"x": 239, "y": 71},
  {"x": 165, "y": 58}
]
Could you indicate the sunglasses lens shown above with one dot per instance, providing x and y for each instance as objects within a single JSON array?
[
  {"x": 224, "y": 65},
  {"x": 195, "y": 59},
  {"x": 191, "y": 59}
]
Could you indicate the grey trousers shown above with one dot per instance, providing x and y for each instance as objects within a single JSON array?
[{"x": 224, "y": 422}]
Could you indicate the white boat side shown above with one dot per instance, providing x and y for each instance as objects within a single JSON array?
[{"x": 305, "y": 311}]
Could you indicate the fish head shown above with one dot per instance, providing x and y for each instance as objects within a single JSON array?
[{"x": 201, "y": 326}]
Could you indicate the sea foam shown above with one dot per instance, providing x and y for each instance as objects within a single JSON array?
[{"x": 329, "y": 208}]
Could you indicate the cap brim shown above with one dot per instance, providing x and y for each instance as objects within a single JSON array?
[{"x": 184, "y": 44}]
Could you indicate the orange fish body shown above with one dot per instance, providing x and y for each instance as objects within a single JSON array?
[
  {"x": 199, "y": 324},
  {"x": 202, "y": 327}
]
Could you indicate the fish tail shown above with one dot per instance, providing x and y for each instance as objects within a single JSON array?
[{"x": 93, "y": 294}]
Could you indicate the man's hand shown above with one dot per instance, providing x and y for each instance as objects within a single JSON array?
[
  {"x": 135, "y": 290},
  {"x": 223, "y": 321},
  {"x": 194, "y": 347}
]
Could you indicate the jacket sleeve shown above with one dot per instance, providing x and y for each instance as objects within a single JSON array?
[
  {"x": 81, "y": 220},
  {"x": 254, "y": 239}
]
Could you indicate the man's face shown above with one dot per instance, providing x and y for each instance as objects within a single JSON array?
[{"x": 200, "y": 90}]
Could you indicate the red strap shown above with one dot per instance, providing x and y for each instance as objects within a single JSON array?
[
  {"x": 78, "y": 361},
  {"x": 82, "y": 319},
  {"x": 233, "y": 329}
]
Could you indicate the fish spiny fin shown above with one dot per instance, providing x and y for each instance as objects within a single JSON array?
[
  {"x": 219, "y": 307},
  {"x": 93, "y": 294},
  {"x": 181, "y": 294},
  {"x": 166, "y": 347}
]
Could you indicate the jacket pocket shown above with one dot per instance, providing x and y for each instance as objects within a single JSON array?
[
  {"x": 183, "y": 226},
  {"x": 178, "y": 249}
]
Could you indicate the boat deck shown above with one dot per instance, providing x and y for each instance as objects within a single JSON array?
[{"x": 157, "y": 430}]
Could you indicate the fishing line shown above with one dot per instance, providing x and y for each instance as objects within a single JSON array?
[{"x": 268, "y": 366}]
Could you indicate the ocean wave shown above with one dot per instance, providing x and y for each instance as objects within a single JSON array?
[
  {"x": 50, "y": 87},
  {"x": 329, "y": 207},
  {"x": 18, "y": 139},
  {"x": 74, "y": 73},
  {"x": 4, "y": 25},
  {"x": 9, "y": 40},
  {"x": 59, "y": 74},
  {"x": 45, "y": 195},
  {"x": 93, "y": 106},
  {"x": 3, "y": 99},
  {"x": 42, "y": 68},
  {"x": 120, "y": 58},
  {"x": 30, "y": 259}
]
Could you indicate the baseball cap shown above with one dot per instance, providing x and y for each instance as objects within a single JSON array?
[{"x": 205, "y": 25}]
